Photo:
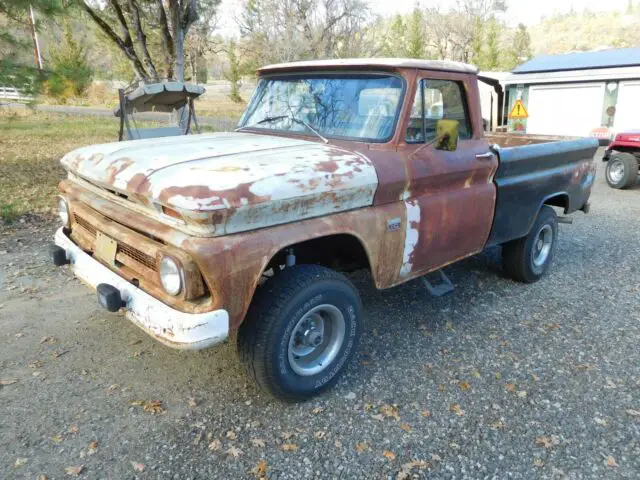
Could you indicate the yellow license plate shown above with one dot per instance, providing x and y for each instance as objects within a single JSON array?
[{"x": 105, "y": 248}]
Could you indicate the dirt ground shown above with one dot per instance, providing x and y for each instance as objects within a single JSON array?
[{"x": 497, "y": 380}]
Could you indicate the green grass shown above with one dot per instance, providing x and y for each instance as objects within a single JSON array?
[{"x": 31, "y": 145}]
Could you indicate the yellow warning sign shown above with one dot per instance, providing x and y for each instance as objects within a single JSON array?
[{"x": 518, "y": 110}]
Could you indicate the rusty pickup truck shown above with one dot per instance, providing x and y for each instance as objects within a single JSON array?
[{"x": 377, "y": 164}]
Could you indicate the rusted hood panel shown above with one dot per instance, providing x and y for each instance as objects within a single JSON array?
[{"x": 231, "y": 182}]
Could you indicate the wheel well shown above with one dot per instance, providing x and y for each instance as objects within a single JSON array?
[
  {"x": 632, "y": 150},
  {"x": 341, "y": 252},
  {"x": 561, "y": 200}
]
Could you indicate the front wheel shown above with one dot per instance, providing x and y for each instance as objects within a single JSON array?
[
  {"x": 527, "y": 259},
  {"x": 622, "y": 170},
  {"x": 301, "y": 331}
]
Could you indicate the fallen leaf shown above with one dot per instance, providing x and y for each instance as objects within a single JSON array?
[
  {"x": 137, "y": 403},
  {"x": 611, "y": 462},
  {"x": 389, "y": 455},
  {"x": 457, "y": 410},
  {"x": 74, "y": 471},
  {"x": 337, "y": 444},
  {"x": 476, "y": 374},
  {"x": 435, "y": 457},
  {"x": 257, "y": 442},
  {"x": 538, "y": 462},
  {"x": 234, "y": 452},
  {"x": 511, "y": 387},
  {"x": 19, "y": 462},
  {"x": 498, "y": 376},
  {"x": 56, "y": 439},
  {"x": 601, "y": 421},
  {"x": 231, "y": 435},
  {"x": 287, "y": 435},
  {"x": 56, "y": 354},
  {"x": 521, "y": 394},
  {"x": 138, "y": 467},
  {"x": 42, "y": 477},
  {"x": 17, "y": 335},
  {"x": 390, "y": 411},
  {"x": 36, "y": 364},
  {"x": 49, "y": 340},
  {"x": 378, "y": 416},
  {"x": 442, "y": 387},
  {"x": 320, "y": 434},
  {"x": 551, "y": 326},
  {"x": 362, "y": 447},
  {"x": 405, "y": 427},
  {"x": 73, "y": 429},
  {"x": 497, "y": 425},
  {"x": 112, "y": 388},
  {"x": 464, "y": 385},
  {"x": 633, "y": 412},
  {"x": 92, "y": 448},
  {"x": 368, "y": 406},
  {"x": 405, "y": 473},
  {"x": 153, "y": 407},
  {"x": 317, "y": 410},
  {"x": 8, "y": 381},
  {"x": 260, "y": 470},
  {"x": 547, "y": 442},
  {"x": 215, "y": 445},
  {"x": 289, "y": 447},
  {"x": 192, "y": 402}
]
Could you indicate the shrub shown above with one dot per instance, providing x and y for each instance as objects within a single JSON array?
[{"x": 71, "y": 74}]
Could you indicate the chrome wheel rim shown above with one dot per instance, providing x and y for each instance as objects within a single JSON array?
[
  {"x": 616, "y": 171},
  {"x": 316, "y": 340},
  {"x": 542, "y": 246}
]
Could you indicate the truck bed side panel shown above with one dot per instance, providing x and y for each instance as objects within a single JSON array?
[{"x": 529, "y": 175}]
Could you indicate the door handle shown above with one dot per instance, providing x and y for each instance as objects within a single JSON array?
[{"x": 485, "y": 156}]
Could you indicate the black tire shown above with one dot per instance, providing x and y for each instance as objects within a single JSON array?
[
  {"x": 281, "y": 303},
  {"x": 519, "y": 256},
  {"x": 625, "y": 163}
]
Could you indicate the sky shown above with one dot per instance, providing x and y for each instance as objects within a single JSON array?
[{"x": 519, "y": 11}]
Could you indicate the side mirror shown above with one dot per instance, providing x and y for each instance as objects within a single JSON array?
[{"x": 447, "y": 135}]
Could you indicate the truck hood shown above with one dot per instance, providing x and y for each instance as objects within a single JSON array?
[{"x": 230, "y": 182}]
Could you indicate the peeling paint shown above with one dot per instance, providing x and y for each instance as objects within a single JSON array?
[{"x": 411, "y": 236}]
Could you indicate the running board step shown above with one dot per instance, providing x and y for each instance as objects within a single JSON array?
[{"x": 445, "y": 286}]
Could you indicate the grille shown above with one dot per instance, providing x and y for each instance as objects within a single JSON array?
[
  {"x": 84, "y": 224},
  {"x": 140, "y": 257},
  {"x": 124, "y": 249}
]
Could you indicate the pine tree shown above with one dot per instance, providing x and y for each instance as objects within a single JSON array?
[{"x": 416, "y": 41}]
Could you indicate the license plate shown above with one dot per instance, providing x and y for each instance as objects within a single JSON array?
[{"x": 105, "y": 248}]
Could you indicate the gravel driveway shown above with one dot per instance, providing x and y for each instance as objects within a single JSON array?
[{"x": 497, "y": 380}]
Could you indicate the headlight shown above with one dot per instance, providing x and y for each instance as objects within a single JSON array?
[
  {"x": 63, "y": 211},
  {"x": 170, "y": 276}
]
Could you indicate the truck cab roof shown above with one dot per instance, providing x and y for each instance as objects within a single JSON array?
[{"x": 371, "y": 63}]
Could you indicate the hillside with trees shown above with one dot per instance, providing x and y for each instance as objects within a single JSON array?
[{"x": 148, "y": 40}]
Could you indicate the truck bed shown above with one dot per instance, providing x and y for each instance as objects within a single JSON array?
[{"x": 535, "y": 170}]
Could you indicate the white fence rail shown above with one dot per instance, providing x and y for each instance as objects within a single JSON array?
[{"x": 12, "y": 93}]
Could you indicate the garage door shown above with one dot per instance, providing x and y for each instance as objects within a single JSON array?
[
  {"x": 572, "y": 109},
  {"x": 628, "y": 107}
]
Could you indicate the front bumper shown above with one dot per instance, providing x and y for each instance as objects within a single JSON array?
[{"x": 170, "y": 326}]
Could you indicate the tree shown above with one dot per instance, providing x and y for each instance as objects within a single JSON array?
[
  {"x": 233, "y": 74},
  {"x": 71, "y": 74},
  {"x": 287, "y": 30},
  {"x": 520, "y": 50},
  {"x": 136, "y": 20},
  {"x": 15, "y": 68},
  {"x": 416, "y": 35},
  {"x": 492, "y": 57}
]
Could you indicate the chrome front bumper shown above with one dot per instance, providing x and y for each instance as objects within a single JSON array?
[{"x": 172, "y": 327}]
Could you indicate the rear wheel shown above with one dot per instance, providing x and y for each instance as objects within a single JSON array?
[
  {"x": 301, "y": 331},
  {"x": 528, "y": 259},
  {"x": 622, "y": 170}
]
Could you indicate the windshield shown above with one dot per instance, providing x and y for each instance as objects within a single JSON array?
[{"x": 361, "y": 107}]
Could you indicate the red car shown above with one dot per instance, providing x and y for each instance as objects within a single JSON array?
[{"x": 623, "y": 157}]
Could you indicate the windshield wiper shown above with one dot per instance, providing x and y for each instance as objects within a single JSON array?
[{"x": 280, "y": 117}]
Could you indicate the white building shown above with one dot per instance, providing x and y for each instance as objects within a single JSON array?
[{"x": 581, "y": 94}]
